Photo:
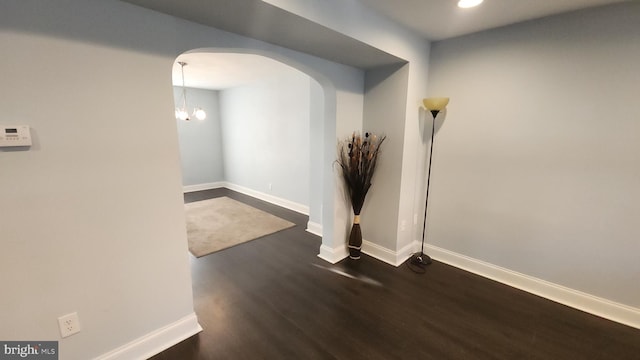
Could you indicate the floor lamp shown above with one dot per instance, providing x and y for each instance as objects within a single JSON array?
[{"x": 433, "y": 105}]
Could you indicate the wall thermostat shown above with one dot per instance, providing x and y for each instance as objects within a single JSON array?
[{"x": 19, "y": 135}]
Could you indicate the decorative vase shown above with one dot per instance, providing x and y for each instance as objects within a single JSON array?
[
  {"x": 357, "y": 159},
  {"x": 355, "y": 239}
]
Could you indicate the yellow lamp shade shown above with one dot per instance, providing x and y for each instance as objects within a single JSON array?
[{"x": 436, "y": 103}]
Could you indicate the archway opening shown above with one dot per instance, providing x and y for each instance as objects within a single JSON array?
[{"x": 264, "y": 131}]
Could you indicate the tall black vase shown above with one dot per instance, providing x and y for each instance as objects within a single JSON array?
[{"x": 355, "y": 239}]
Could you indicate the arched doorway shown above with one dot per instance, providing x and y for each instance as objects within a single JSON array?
[{"x": 265, "y": 129}]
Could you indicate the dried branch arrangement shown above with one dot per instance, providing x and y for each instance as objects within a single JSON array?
[{"x": 358, "y": 156}]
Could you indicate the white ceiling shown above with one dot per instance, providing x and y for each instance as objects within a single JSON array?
[
  {"x": 217, "y": 71},
  {"x": 433, "y": 19},
  {"x": 442, "y": 19}
]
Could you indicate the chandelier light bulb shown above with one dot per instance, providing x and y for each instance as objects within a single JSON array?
[
  {"x": 181, "y": 114},
  {"x": 199, "y": 114}
]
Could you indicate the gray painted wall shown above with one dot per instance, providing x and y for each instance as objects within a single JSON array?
[
  {"x": 316, "y": 156},
  {"x": 537, "y": 165},
  {"x": 101, "y": 186},
  {"x": 200, "y": 141},
  {"x": 99, "y": 228},
  {"x": 385, "y": 101},
  {"x": 265, "y": 128}
]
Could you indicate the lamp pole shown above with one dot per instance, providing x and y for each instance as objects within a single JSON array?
[{"x": 420, "y": 260}]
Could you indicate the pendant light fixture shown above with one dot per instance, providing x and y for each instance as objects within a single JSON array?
[{"x": 181, "y": 112}]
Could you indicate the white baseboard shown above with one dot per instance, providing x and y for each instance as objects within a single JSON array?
[
  {"x": 333, "y": 255},
  {"x": 405, "y": 253},
  {"x": 576, "y": 299},
  {"x": 374, "y": 250},
  {"x": 200, "y": 187},
  {"x": 586, "y": 302},
  {"x": 383, "y": 254},
  {"x": 302, "y": 209},
  {"x": 156, "y": 341},
  {"x": 379, "y": 252},
  {"x": 314, "y": 228}
]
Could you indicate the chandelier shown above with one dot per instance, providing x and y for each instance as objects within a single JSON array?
[{"x": 181, "y": 112}]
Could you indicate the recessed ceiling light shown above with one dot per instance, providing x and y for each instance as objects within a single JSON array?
[{"x": 469, "y": 3}]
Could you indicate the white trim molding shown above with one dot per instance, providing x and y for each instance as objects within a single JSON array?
[
  {"x": 374, "y": 250},
  {"x": 314, "y": 228},
  {"x": 156, "y": 341},
  {"x": 389, "y": 256},
  {"x": 302, "y": 209},
  {"x": 201, "y": 187},
  {"x": 333, "y": 255},
  {"x": 287, "y": 204},
  {"x": 576, "y": 299}
]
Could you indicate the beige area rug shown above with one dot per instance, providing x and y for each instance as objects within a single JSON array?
[{"x": 220, "y": 223}]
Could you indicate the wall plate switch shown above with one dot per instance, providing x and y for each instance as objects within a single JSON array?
[{"x": 69, "y": 324}]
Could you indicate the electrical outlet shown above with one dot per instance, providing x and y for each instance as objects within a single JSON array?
[{"x": 69, "y": 324}]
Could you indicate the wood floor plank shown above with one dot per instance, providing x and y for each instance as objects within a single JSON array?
[{"x": 273, "y": 298}]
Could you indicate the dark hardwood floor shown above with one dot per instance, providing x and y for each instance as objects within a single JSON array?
[{"x": 273, "y": 298}]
